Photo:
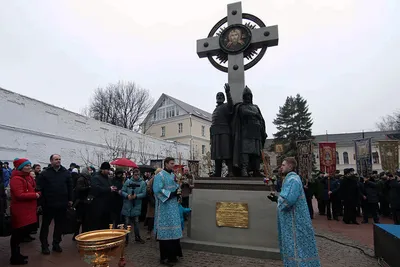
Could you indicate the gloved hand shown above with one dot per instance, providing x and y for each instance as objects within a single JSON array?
[
  {"x": 173, "y": 194},
  {"x": 273, "y": 197}
]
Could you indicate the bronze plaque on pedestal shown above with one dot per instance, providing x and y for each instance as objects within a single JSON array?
[{"x": 232, "y": 214}]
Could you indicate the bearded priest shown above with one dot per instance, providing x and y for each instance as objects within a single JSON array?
[{"x": 296, "y": 233}]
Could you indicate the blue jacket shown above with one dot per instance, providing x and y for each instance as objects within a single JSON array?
[
  {"x": 183, "y": 211},
  {"x": 6, "y": 176},
  {"x": 132, "y": 208}
]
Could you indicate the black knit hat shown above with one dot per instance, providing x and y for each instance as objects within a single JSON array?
[{"x": 105, "y": 166}]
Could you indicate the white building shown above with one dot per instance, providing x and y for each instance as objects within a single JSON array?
[
  {"x": 172, "y": 119},
  {"x": 345, "y": 149},
  {"x": 35, "y": 130}
]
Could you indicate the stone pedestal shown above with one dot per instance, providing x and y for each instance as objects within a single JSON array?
[{"x": 260, "y": 240}]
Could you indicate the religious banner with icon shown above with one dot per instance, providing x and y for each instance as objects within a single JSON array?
[
  {"x": 363, "y": 156},
  {"x": 305, "y": 158},
  {"x": 389, "y": 151},
  {"x": 327, "y": 157},
  {"x": 156, "y": 163},
  {"x": 193, "y": 166},
  {"x": 279, "y": 148}
]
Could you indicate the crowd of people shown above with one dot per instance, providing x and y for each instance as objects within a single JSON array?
[
  {"x": 124, "y": 197},
  {"x": 351, "y": 196},
  {"x": 98, "y": 198}
]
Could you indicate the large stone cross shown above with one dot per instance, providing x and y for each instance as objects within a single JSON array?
[{"x": 233, "y": 42}]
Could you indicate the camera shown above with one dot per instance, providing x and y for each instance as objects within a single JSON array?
[{"x": 133, "y": 185}]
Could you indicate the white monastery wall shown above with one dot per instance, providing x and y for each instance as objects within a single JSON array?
[{"x": 35, "y": 130}]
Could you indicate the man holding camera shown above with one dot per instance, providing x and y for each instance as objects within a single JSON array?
[{"x": 133, "y": 191}]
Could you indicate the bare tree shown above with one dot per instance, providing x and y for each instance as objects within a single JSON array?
[
  {"x": 92, "y": 158},
  {"x": 119, "y": 146},
  {"x": 122, "y": 104},
  {"x": 144, "y": 155},
  {"x": 390, "y": 122}
]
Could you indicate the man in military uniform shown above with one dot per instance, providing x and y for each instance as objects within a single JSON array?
[
  {"x": 220, "y": 132},
  {"x": 248, "y": 129}
]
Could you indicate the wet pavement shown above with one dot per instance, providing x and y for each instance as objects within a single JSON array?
[{"x": 147, "y": 255}]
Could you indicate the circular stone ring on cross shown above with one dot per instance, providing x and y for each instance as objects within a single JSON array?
[{"x": 235, "y": 39}]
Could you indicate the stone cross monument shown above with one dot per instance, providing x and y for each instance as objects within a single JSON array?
[{"x": 236, "y": 42}]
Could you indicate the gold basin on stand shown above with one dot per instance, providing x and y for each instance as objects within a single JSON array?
[{"x": 99, "y": 247}]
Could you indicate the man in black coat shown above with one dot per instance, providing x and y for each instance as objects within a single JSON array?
[
  {"x": 309, "y": 194},
  {"x": 102, "y": 191},
  {"x": 55, "y": 185},
  {"x": 350, "y": 193},
  {"x": 370, "y": 199},
  {"x": 394, "y": 196},
  {"x": 330, "y": 190}
]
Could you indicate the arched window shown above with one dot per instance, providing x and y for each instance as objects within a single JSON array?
[
  {"x": 345, "y": 158},
  {"x": 337, "y": 158}
]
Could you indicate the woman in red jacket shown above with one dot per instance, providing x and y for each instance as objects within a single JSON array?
[{"x": 23, "y": 208}]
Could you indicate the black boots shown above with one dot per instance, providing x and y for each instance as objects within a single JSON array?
[{"x": 17, "y": 258}]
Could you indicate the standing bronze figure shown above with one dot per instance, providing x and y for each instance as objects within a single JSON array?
[
  {"x": 249, "y": 134},
  {"x": 220, "y": 132}
]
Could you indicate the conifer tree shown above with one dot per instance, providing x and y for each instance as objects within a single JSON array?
[{"x": 293, "y": 123}]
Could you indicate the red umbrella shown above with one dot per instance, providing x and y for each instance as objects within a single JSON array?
[{"x": 124, "y": 162}]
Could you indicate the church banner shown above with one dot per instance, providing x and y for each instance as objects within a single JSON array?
[
  {"x": 363, "y": 156},
  {"x": 327, "y": 157},
  {"x": 156, "y": 163},
  {"x": 305, "y": 158},
  {"x": 389, "y": 151}
]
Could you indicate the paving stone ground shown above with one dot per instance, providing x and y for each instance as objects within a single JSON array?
[{"x": 332, "y": 254}]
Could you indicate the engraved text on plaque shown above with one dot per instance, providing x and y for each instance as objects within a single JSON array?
[{"x": 232, "y": 214}]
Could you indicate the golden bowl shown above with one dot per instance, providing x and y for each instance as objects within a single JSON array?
[{"x": 98, "y": 247}]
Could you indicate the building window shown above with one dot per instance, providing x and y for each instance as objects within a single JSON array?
[
  {"x": 180, "y": 127},
  {"x": 166, "y": 110},
  {"x": 162, "y": 131},
  {"x": 203, "y": 130},
  {"x": 203, "y": 149},
  {"x": 170, "y": 112},
  {"x": 337, "y": 158},
  {"x": 375, "y": 157},
  {"x": 345, "y": 158}
]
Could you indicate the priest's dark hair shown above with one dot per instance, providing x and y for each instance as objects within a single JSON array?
[
  {"x": 292, "y": 162},
  {"x": 168, "y": 159}
]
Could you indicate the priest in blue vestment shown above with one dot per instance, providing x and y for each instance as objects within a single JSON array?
[
  {"x": 167, "y": 222},
  {"x": 296, "y": 233}
]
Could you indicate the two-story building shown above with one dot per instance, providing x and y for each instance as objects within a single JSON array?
[{"x": 175, "y": 120}]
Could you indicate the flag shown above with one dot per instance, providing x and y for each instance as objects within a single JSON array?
[
  {"x": 363, "y": 156},
  {"x": 389, "y": 151},
  {"x": 305, "y": 158},
  {"x": 327, "y": 157}
]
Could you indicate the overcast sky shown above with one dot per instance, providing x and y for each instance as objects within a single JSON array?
[{"x": 342, "y": 55}]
